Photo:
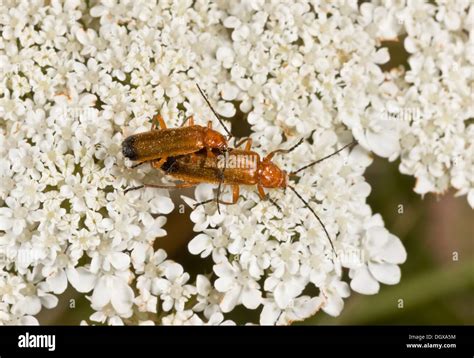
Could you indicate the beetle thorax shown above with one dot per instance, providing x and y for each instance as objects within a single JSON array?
[
  {"x": 270, "y": 176},
  {"x": 213, "y": 139}
]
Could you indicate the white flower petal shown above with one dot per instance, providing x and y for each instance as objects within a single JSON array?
[
  {"x": 160, "y": 285},
  {"x": 363, "y": 282},
  {"x": 173, "y": 271},
  {"x": 29, "y": 305},
  {"x": 423, "y": 185},
  {"x": 333, "y": 306},
  {"x": 119, "y": 260},
  {"x": 81, "y": 279},
  {"x": 5, "y": 223},
  {"x": 230, "y": 299},
  {"x": 49, "y": 301},
  {"x": 102, "y": 293},
  {"x": 203, "y": 285},
  {"x": 386, "y": 273},
  {"x": 384, "y": 143},
  {"x": 122, "y": 297},
  {"x": 58, "y": 282},
  {"x": 223, "y": 284},
  {"x": 199, "y": 244},
  {"x": 393, "y": 251},
  {"x": 251, "y": 297},
  {"x": 161, "y": 205},
  {"x": 270, "y": 314},
  {"x": 470, "y": 198},
  {"x": 306, "y": 307}
]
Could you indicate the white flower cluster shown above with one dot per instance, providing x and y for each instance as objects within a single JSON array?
[
  {"x": 429, "y": 106},
  {"x": 76, "y": 78},
  {"x": 439, "y": 148}
]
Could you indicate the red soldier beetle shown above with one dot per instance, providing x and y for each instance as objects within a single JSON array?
[{"x": 161, "y": 142}]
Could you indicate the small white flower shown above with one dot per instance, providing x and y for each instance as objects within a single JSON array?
[
  {"x": 187, "y": 318},
  {"x": 13, "y": 217},
  {"x": 208, "y": 298},
  {"x": 173, "y": 290},
  {"x": 146, "y": 302},
  {"x": 237, "y": 285},
  {"x": 149, "y": 264},
  {"x": 285, "y": 289},
  {"x": 210, "y": 241},
  {"x": 114, "y": 291},
  {"x": 334, "y": 291},
  {"x": 300, "y": 308},
  {"x": 383, "y": 253}
]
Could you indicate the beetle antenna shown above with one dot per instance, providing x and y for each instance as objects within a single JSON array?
[
  {"x": 315, "y": 215},
  {"x": 138, "y": 164},
  {"x": 217, "y": 197},
  {"x": 322, "y": 159},
  {"x": 160, "y": 186},
  {"x": 284, "y": 151},
  {"x": 274, "y": 203},
  {"x": 213, "y": 111},
  {"x": 133, "y": 188},
  {"x": 202, "y": 203}
]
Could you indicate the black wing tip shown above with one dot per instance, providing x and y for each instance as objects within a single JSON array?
[{"x": 128, "y": 148}]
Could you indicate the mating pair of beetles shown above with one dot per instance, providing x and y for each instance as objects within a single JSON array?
[{"x": 190, "y": 154}]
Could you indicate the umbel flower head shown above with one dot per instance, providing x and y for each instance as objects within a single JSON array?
[{"x": 76, "y": 78}]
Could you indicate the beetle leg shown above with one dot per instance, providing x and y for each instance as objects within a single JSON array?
[
  {"x": 176, "y": 186},
  {"x": 190, "y": 119},
  {"x": 158, "y": 163},
  {"x": 209, "y": 152},
  {"x": 261, "y": 192},
  {"x": 193, "y": 158},
  {"x": 235, "y": 198},
  {"x": 271, "y": 154},
  {"x": 158, "y": 123},
  {"x": 235, "y": 193},
  {"x": 247, "y": 146}
]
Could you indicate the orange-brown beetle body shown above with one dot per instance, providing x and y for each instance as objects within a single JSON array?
[
  {"x": 158, "y": 144},
  {"x": 202, "y": 168},
  {"x": 162, "y": 143}
]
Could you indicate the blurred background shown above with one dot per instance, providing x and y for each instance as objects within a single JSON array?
[{"x": 437, "y": 284}]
